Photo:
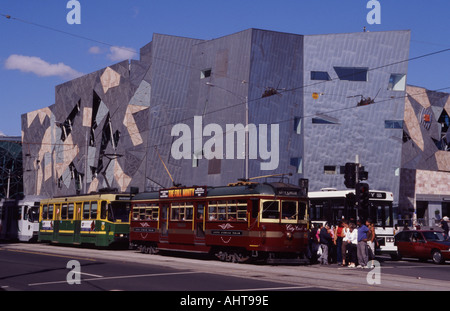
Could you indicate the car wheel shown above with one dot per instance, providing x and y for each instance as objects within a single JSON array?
[
  {"x": 437, "y": 257},
  {"x": 396, "y": 256}
]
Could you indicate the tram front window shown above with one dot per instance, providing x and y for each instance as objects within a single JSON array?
[
  {"x": 33, "y": 214},
  {"x": 119, "y": 211},
  {"x": 271, "y": 210},
  {"x": 289, "y": 211}
]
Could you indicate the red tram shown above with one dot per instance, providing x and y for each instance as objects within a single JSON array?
[{"x": 236, "y": 223}]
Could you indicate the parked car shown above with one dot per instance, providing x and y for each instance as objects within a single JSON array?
[{"x": 423, "y": 244}]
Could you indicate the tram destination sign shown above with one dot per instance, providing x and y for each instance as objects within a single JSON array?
[{"x": 191, "y": 192}]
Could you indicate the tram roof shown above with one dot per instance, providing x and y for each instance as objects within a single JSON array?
[{"x": 274, "y": 188}]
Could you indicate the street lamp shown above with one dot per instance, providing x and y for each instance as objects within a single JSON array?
[{"x": 246, "y": 121}]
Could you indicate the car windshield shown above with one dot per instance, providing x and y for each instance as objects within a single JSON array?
[{"x": 434, "y": 236}]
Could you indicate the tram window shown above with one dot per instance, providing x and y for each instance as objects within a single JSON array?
[
  {"x": 255, "y": 208},
  {"x": 271, "y": 210},
  {"x": 200, "y": 211},
  {"x": 212, "y": 210},
  {"x": 94, "y": 207},
  {"x": 141, "y": 213},
  {"x": 70, "y": 211},
  {"x": 58, "y": 211},
  {"x": 135, "y": 213},
  {"x": 164, "y": 211},
  {"x": 231, "y": 210},
  {"x": 189, "y": 211},
  {"x": 302, "y": 210},
  {"x": 50, "y": 211},
  {"x": 222, "y": 210},
  {"x": 33, "y": 214},
  {"x": 175, "y": 215},
  {"x": 64, "y": 212},
  {"x": 182, "y": 211},
  {"x": 289, "y": 210},
  {"x": 103, "y": 209},
  {"x": 44, "y": 211},
  {"x": 154, "y": 211},
  {"x": 86, "y": 210},
  {"x": 241, "y": 208},
  {"x": 148, "y": 214}
]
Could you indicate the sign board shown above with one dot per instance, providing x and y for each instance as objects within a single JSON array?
[{"x": 175, "y": 193}]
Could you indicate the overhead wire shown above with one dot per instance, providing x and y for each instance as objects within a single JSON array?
[{"x": 240, "y": 103}]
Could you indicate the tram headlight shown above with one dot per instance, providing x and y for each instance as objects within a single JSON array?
[{"x": 289, "y": 235}]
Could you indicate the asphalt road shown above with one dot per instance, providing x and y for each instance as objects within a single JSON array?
[
  {"x": 45, "y": 268},
  {"x": 42, "y": 267}
]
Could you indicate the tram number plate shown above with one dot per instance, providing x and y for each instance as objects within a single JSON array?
[{"x": 144, "y": 230}]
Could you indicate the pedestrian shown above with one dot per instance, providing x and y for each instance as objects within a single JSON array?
[
  {"x": 331, "y": 246},
  {"x": 363, "y": 255},
  {"x": 352, "y": 241},
  {"x": 338, "y": 237},
  {"x": 346, "y": 235},
  {"x": 325, "y": 240},
  {"x": 371, "y": 241},
  {"x": 313, "y": 244}
]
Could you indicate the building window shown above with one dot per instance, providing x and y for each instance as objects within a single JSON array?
[
  {"x": 320, "y": 75},
  {"x": 393, "y": 124},
  {"x": 205, "y": 73},
  {"x": 323, "y": 119},
  {"x": 298, "y": 164},
  {"x": 352, "y": 73},
  {"x": 397, "y": 82},
  {"x": 444, "y": 122},
  {"x": 330, "y": 169},
  {"x": 298, "y": 125}
]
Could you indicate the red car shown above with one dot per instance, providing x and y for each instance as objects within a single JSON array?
[{"x": 423, "y": 244}]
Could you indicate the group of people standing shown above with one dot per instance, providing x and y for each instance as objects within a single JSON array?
[{"x": 347, "y": 244}]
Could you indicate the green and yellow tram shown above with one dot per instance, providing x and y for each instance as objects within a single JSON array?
[{"x": 100, "y": 219}]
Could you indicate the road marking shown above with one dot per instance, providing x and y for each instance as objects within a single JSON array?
[
  {"x": 118, "y": 277},
  {"x": 88, "y": 274}
]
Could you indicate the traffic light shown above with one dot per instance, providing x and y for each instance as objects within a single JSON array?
[
  {"x": 362, "y": 173},
  {"x": 362, "y": 195},
  {"x": 351, "y": 199},
  {"x": 350, "y": 175}
]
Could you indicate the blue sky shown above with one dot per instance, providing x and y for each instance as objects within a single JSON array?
[{"x": 34, "y": 59}]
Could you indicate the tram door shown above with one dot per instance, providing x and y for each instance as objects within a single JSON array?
[
  {"x": 77, "y": 223},
  {"x": 56, "y": 222},
  {"x": 199, "y": 223},
  {"x": 164, "y": 233}
]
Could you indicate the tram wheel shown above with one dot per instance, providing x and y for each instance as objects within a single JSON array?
[{"x": 242, "y": 258}]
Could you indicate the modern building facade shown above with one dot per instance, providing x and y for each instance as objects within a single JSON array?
[
  {"x": 177, "y": 115},
  {"x": 425, "y": 175}
]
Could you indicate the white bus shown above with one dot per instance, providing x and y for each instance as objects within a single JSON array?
[
  {"x": 19, "y": 219},
  {"x": 331, "y": 205}
]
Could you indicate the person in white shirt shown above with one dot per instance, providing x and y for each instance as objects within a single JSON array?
[
  {"x": 352, "y": 242},
  {"x": 345, "y": 236}
]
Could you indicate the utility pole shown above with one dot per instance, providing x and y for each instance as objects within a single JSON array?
[{"x": 9, "y": 182}]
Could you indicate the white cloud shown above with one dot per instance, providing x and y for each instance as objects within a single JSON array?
[
  {"x": 118, "y": 53},
  {"x": 95, "y": 50},
  {"x": 40, "y": 67}
]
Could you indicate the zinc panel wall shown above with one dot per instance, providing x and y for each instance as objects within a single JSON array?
[{"x": 358, "y": 130}]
